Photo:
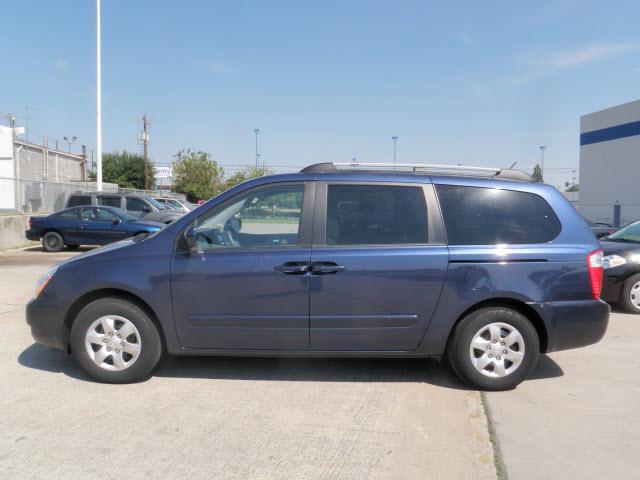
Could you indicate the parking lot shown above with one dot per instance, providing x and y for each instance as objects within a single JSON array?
[{"x": 576, "y": 417}]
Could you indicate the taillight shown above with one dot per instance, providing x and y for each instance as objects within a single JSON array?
[
  {"x": 30, "y": 221},
  {"x": 595, "y": 263}
]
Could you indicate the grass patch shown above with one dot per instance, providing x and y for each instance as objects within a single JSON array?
[{"x": 498, "y": 460}]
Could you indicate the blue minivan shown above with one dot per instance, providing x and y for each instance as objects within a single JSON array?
[{"x": 483, "y": 267}]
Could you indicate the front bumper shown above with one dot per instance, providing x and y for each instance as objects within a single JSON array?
[
  {"x": 573, "y": 324},
  {"x": 46, "y": 319}
]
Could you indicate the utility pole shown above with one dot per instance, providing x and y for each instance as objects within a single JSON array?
[
  {"x": 98, "y": 102},
  {"x": 144, "y": 136},
  {"x": 257, "y": 132},
  {"x": 542, "y": 149},
  {"x": 395, "y": 141}
]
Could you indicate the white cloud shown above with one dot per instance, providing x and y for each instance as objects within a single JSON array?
[
  {"x": 61, "y": 63},
  {"x": 573, "y": 58},
  {"x": 545, "y": 65},
  {"x": 220, "y": 69}
]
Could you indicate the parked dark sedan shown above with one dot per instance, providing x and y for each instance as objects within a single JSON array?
[
  {"x": 86, "y": 225},
  {"x": 622, "y": 268}
]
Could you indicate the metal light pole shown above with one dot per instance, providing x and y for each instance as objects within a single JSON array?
[
  {"x": 98, "y": 103},
  {"x": 257, "y": 132},
  {"x": 69, "y": 142},
  {"x": 395, "y": 141},
  {"x": 542, "y": 149}
]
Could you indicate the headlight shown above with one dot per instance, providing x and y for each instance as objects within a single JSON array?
[
  {"x": 44, "y": 280},
  {"x": 611, "y": 261}
]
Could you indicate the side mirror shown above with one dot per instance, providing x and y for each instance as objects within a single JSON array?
[
  {"x": 116, "y": 220},
  {"x": 146, "y": 209},
  {"x": 190, "y": 237}
]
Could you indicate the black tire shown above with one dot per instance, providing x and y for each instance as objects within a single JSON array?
[
  {"x": 626, "y": 302},
  {"x": 72, "y": 246},
  {"x": 459, "y": 355},
  {"x": 52, "y": 242},
  {"x": 150, "y": 342}
]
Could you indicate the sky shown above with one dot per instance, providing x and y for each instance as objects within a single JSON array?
[{"x": 476, "y": 83}]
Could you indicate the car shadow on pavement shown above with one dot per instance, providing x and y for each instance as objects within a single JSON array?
[
  {"x": 38, "y": 248},
  {"x": 420, "y": 370}
]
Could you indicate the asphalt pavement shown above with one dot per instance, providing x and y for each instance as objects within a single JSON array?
[{"x": 228, "y": 418}]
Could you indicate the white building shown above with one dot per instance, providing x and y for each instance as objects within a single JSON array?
[{"x": 610, "y": 164}]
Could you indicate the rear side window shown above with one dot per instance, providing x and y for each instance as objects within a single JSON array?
[
  {"x": 492, "y": 216},
  {"x": 376, "y": 215},
  {"x": 109, "y": 201},
  {"x": 77, "y": 200},
  {"x": 68, "y": 214}
]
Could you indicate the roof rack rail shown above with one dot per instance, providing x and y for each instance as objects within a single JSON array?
[{"x": 443, "y": 169}]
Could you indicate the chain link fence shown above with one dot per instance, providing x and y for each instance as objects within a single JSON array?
[{"x": 42, "y": 197}]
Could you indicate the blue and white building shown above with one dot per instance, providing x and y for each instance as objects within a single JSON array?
[{"x": 610, "y": 164}]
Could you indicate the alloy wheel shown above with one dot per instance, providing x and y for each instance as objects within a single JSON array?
[
  {"x": 497, "y": 350},
  {"x": 634, "y": 295},
  {"x": 113, "y": 343}
]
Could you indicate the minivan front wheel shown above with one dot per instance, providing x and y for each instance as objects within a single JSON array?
[
  {"x": 493, "y": 348},
  {"x": 115, "y": 341}
]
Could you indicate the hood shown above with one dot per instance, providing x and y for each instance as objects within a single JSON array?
[
  {"x": 619, "y": 248},
  {"x": 105, "y": 250}
]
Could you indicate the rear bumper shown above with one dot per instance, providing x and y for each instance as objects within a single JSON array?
[
  {"x": 573, "y": 324},
  {"x": 31, "y": 235},
  {"x": 46, "y": 320}
]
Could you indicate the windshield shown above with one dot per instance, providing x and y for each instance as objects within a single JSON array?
[
  {"x": 156, "y": 203},
  {"x": 630, "y": 233}
]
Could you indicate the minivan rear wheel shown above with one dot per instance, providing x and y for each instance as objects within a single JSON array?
[
  {"x": 493, "y": 348},
  {"x": 115, "y": 341}
]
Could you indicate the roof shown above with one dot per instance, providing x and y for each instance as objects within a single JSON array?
[{"x": 419, "y": 169}]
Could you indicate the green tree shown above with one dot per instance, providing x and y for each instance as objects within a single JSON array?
[
  {"x": 571, "y": 187},
  {"x": 246, "y": 174},
  {"x": 197, "y": 175},
  {"x": 126, "y": 169},
  {"x": 537, "y": 173}
]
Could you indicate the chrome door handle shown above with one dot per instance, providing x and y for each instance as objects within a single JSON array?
[
  {"x": 293, "y": 268},
  {"x": 325, "y": 268}
]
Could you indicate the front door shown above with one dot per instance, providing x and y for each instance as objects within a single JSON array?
[
  {"x": 378, "y": 265},
  {"x": 244, "y": 286},
  {"x": 97, "y": 227}
]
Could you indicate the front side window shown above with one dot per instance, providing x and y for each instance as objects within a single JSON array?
[
  {"x": 492, "y": 216},
  {"x": 268, "y": 217},
  {"x": 104, "y": 215},
  {"x": 134, "y": 204},
  {"x": 376, "y": 215}
]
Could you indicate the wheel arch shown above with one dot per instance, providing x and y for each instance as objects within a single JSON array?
[
  {"x": 517, "y": 305},
  {"x": 89, "y": 297}
]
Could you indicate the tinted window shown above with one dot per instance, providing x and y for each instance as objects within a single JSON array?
[
  {"x": 68, "y": 214},
  {"x": 77, "y": 200},
  {"x": 376, "y": 215},
  {"x": 491, "y": 216},
  {"x": 109, "y": 201},
  {"x": 134, "y": 204},
  {"x": 268, "y": 217}
]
